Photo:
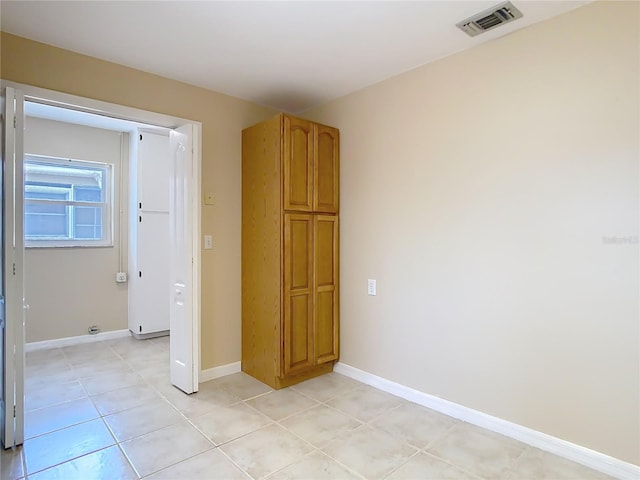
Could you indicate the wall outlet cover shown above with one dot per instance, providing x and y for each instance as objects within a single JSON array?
[{"x": 121, "y": 277}]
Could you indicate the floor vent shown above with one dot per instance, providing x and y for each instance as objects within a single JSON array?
[{"x": 489, "y": 19}]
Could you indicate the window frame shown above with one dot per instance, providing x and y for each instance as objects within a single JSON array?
[{"x": 107, "y": 204}]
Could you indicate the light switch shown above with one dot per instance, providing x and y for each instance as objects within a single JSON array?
[
  {"x": 371, "y": 287},
  {"x": 208, "y": 198},
  {"x": 208, "y": 242}
]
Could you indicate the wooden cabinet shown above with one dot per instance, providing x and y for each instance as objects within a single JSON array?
[{"x": 290, "y": 257}]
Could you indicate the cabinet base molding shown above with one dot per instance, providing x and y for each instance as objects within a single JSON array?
[
  {"x": 590, "y": 458},
  {"x": 277, "y": 383}
]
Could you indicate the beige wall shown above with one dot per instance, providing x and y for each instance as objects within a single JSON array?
[
  {"x": 70, "y": 289},
  {"x": 477, "y": 190},
  {"x": 223, "y": 119}
]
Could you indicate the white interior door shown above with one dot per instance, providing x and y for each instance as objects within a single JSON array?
[
  {"x": 183, "y": 347},
  {"x": 12, "y": 303}
]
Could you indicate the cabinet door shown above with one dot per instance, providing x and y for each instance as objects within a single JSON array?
[
  {"x": 326, "y": 288},
  {"x": 298, "y": 293},
  {"x": 326, "y": 176},
  {"x": 298, "y": 164},
  {"x": 154, "y": 161},
  {"x": 151, "y": 282}
]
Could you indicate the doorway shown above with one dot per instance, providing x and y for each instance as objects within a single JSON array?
[{"x": 185, "y": 228}]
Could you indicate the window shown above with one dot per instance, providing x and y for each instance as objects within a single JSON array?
[{"x": 66, "y": 202}]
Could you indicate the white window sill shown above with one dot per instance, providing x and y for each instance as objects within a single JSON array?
[{"x": 67, "y": 245}]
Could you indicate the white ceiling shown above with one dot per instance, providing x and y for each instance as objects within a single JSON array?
[{"x": 287, "y": 55}]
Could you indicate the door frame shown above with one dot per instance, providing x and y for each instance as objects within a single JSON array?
[
  {"x": 13, "y": 361},
  {"x": 75, "y": 102}
]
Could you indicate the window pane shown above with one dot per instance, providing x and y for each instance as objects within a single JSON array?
[
  {"x": 86, "y": 215},
  {"x": 85, "y": 233},
  {"x": 46, "y": 221},
  {"x": 40, "y": 193},
  {"x": 45, "y": 209},
  {"x": 87, "y": 194},
  {"x": 87, "y": 223}
]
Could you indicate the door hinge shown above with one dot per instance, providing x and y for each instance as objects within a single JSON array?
[
  {"x": 14, "y": 411},
  {"x": 14, "y": 269},
  {"x": 15, "y": 122}
]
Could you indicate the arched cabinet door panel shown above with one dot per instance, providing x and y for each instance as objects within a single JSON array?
[
  {"x": 326, "y": 166},
  {"x": 298, "y": 165}
]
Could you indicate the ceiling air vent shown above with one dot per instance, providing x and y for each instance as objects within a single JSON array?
[{"x": 489, "y": 19}]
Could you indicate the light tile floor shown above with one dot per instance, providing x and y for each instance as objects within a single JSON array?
[{"x": 107, "y": 411}]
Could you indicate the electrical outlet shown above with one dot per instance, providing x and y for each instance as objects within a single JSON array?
[
  {"x": 121, "y": 277},
  {"x": 208, "y": 242},
  {"x": 371, "y": 287}
]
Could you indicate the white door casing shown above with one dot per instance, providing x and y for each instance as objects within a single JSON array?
[
  {"x": 181, "y": 218},
  {"x": 12, "y": 303},
  {"x": 189, "y": 135},
  {"x": 6, "y": 427}
]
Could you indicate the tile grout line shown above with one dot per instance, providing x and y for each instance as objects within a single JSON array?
[
  {"x": 511, "y": 468},
  {"x": 319, "y": 449},
  {"x": 325, "y": 403},
  {"x": 362, "y": 423},
  {"x": 68, "y": 460},
  {"x": 273, "y": 422},
  {"x": 315, "y": 450},
  {"x": 126, "y": 457},
  {"x": 234, "y": 463},
  {"x": 393, "y": 470},
  {"x": 23, "y": 459},
  {"x": 450, "y": 462},
  {"x": 306, "y": 409}
]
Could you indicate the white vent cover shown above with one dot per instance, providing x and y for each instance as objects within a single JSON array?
[{"x": 489, "y": 19}]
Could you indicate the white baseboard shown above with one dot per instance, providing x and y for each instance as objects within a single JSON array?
[
  {"x": 69, "y": 341},
  {"x": 585, "y": 456},
  {"x": 217, "y": 372}
]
